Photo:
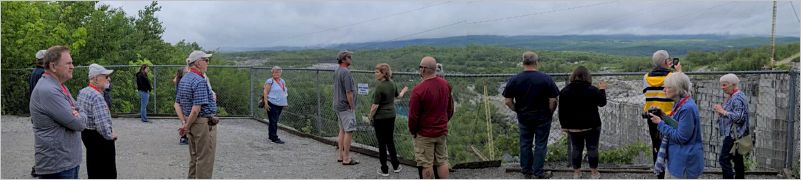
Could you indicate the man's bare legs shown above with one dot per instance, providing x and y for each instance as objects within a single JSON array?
[{"x": 340, "y": 140}]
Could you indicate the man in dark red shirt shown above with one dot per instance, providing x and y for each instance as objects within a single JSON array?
[{"x": 430, "y": 108}]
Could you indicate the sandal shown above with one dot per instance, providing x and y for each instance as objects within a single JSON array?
[{"x": 352, "y": 162}]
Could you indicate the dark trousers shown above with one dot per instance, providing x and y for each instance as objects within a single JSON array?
[
  {"x": 656, "y": 141},
  {"x": 578, "y": 140},
  {"x": 385, "y": 133},
  {"x": 724, "y": 159},
  {"x": 533, "y": 162},
  {"x": 66, "y": 174},
  {"x": 273, "y": 115},
  {"x": 100, "y": 155}
]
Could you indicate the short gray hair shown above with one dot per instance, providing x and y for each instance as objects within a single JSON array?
[
  {"x": 680, "y": 82},
  {"x": 660, "y": 57},
  {"x": 730, "y": 78},
  {"x": 530, "y": 58},
  {"x": 276, "y": 68}
]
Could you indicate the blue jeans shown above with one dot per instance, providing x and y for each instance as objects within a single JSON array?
[
  {"x": 725, "y": 159},
  {"x": 143, "y": 97},
  {"x": 66, "y": 174},
  {"x": 273, "y": 115},
  {"x": 532, "y": 163}
]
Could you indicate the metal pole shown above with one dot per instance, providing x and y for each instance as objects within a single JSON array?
[
  {"x": 773, "y": 37},
  {"x": 155, "y": 81},
  {"x": 250, "y": 102},
  {"x": 319, "y": 124},
  {"x": 791, "y": 101}
]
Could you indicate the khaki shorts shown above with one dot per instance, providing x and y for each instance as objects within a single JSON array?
[
  {"x": 431, "y": 151},
  {"x": 347, "y": 120}
]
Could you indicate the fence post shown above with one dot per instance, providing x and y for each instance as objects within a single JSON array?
[
  {"x": 155, "y": 81},
  {"x": 319, "y": 122},
  {"x": 791, "y": 100},
  {"x": 250, "y": 101}
]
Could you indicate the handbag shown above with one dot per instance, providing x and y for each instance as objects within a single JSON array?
[
  {"x": 743, "y": 145},
  {"x": 261, "y": 102}
]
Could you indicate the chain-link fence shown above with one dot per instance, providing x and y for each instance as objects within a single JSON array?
[{"x": 481, "y": 129}]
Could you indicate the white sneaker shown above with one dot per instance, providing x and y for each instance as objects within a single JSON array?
[
  {"x": 381, "y": 173},
  {"x": 397, "y": 170}
]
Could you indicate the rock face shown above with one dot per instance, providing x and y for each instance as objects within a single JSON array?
[{"x": 769, "y": 103}]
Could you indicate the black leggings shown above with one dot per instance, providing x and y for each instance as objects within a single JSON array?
[
  {"x": 385, "y": 132},
  {"x": 656, "y": 141},
  {"x": 589, "y": 138}
]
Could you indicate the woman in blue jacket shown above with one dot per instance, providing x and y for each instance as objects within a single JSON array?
[{"x": 685, "y": 152}]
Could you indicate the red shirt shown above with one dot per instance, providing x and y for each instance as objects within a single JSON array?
[{"x": 430, "y": 108}]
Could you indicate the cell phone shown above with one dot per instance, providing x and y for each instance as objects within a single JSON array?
[{"x": 675, "y": 61}]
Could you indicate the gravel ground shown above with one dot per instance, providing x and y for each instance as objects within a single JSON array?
[{"x": 151, "y": 150}]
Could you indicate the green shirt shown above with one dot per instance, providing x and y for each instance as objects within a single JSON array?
[{"x": 384, "y": 96}]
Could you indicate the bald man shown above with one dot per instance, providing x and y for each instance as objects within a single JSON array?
[{"x": 430, "y": 109}]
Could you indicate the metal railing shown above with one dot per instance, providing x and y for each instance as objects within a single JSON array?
[{"x": 482, "y": 128}]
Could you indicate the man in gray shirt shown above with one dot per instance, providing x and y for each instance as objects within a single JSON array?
[
  {"x": 57, "y": 122},
  {"x": 345, "y": 105}
]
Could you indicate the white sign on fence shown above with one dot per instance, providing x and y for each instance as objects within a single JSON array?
[{"x": 363, "y": 89}]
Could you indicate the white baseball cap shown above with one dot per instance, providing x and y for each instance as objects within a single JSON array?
[
  {"x": 95, "y": 69},
  {"x": 41, "y": 54},
  {"x": 196, "y": 55}
]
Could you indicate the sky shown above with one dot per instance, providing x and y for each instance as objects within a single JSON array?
[{"x": 308, "y": 23}]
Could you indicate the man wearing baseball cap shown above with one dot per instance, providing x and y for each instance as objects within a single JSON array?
[
  {"x": 38, "y": 70},
  {"x": 344, "y": 104},
  {"x": 199, "y": 110},
  {"x": 99, "y": 136}
]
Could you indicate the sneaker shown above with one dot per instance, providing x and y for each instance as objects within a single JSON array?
[
  {"x": 278, "y": 141},
  {"x": 546, "y": 175},
  {"x": 397, "y": 169},
  {"x": 381, "y": 172}
]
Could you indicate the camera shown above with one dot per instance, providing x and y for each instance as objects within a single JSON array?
[
  {"x": 653, "y": 110},
  {"x": 675, "y": 61}
]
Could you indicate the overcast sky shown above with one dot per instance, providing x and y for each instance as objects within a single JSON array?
[{"x": 312, "y": 23}]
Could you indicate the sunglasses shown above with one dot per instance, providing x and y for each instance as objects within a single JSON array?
[{"x": 423, "y": 67}]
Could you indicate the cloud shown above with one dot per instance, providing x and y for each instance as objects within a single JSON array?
[{"x": 310, "y": 23}]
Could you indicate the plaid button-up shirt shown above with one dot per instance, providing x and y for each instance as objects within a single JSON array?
[
  {"x": 91, "y": 102},
  {"x": 194, "y": 90}
]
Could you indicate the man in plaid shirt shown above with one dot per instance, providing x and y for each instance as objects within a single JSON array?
[
  {"x": 199, "y": 110},
  {"x": 98, "y": 137}
]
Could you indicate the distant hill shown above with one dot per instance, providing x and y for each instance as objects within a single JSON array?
[{"x": 677, "y": 45}]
